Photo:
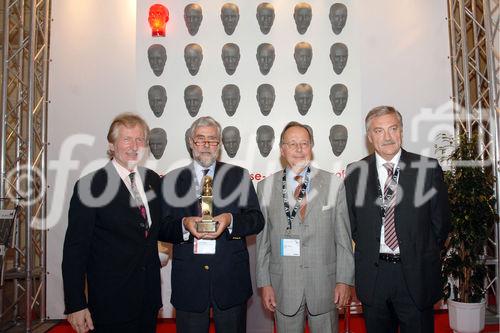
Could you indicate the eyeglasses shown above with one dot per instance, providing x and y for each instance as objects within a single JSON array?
[
  {"x": 295, "y": 145},
  {"x": 211, "y": 143}
]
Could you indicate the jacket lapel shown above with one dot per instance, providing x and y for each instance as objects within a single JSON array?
[
  {"x": 313, "y": 195},
  {"x": 218, "y": 185},
  {"x": 186, "y": 186},
  {"x": 373, "y": 195},
  {"x": 276, "y": 197},
  {"x": 123, "y": 194},
  {"x": 151, "y": 195},
  {"x": 407, "y": 176}
]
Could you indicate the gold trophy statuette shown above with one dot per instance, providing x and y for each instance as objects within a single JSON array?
[{"x": 207, "y": 223}]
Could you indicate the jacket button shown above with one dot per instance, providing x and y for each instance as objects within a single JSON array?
[
  {"x": 375, "y": 264},
  {"x": 206, "y": 267}
]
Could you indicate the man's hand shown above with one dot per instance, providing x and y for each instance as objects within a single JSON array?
[
  {"x": 268, "y": 298},
  {"x": 81, "y": 321},
  {"x": 223, "y": 221},
  {"x": 342, "y": 295},
  {"x": 190, "y": 225}
]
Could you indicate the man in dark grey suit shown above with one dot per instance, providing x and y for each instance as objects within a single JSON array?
[
  {"x": 304, "y": 253},
  {"x": 399, "y": 215}
]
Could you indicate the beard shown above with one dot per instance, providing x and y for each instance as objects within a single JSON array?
[{"x": 205, "y": 159}]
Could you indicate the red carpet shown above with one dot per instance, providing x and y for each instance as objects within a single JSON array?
[{"x": 356, "y": 325}]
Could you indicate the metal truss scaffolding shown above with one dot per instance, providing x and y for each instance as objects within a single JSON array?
[
  {"x": 23, "y": 130},
  {"x": 474, "y": 46}
]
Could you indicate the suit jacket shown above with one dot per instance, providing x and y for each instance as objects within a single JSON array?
[
  {"x": 422, "y": 225},
  {"x": 225, "y": 276},
  {"x": 105, "y": 245},
  {"x": 326, "y": 248}
]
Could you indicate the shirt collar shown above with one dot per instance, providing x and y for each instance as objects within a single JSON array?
[
  {"x": 122, "y": 171},
  {"x": 198, "y": 168},
  {"x": 381, "y": 161},
  {"x": 290, "y": 174}
]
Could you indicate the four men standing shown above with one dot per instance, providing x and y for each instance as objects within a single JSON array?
[{"x": 393, "y": 202}]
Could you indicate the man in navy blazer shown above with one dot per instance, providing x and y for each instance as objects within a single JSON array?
[
  {"x": 398, "y": 208},
  {"x": 210, "y": 270},
  {"x": 111, "y": 240}
]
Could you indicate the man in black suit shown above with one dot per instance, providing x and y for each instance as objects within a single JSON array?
[
  {"x": 111, "y": 240},
  {"x": 399, "y": 214},
  {"x": 210, "y": 270}
]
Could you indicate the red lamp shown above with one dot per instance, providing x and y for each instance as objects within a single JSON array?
[{"x": 158, "y": 18}]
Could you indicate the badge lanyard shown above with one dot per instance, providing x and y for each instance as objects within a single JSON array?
[
  {"x": 291, "y": 215},
  {"x": 384, "y": 199}
]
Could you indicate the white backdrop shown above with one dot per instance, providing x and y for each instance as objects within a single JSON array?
[
  {"x": 283, "y": 76},
  {"x": 99, "y": 69}
]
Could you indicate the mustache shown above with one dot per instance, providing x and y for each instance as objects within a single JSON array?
[{"x": 387, "y": 143}]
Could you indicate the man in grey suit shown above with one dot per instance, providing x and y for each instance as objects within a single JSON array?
[{"x": 305, "y": 265}]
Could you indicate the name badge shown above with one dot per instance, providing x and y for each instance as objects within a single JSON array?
[
  {"x": 204, "y": 246},
  {"x": 290, "y": 247}
]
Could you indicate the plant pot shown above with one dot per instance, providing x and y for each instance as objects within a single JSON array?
[{"x": 466, "y": 317}]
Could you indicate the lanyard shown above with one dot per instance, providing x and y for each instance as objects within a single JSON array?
[
  {"x": 384, "y": 199},
  {"x": 291, "y": 215}
]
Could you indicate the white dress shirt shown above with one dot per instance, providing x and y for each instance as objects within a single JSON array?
[
  {"x": 382, "y": 177},
  {"x": 124, "y": 175}
]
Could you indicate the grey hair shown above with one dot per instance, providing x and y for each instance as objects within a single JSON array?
[
  {"x": 297, "y": 124},
  {"x": 202, "y": 122},
  {"x": 382, "y": 111}
]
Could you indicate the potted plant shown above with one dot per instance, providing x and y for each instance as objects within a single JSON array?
[{"x": 472, "y": 207}]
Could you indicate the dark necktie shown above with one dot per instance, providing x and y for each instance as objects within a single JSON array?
[
  {"x": 205, "y": 172},
  {"x": 390, "y": 187},
  {"x": 296, "y": 194},
  {"x": 139, "y": 203}
]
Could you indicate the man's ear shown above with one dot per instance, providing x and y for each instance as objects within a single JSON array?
[{"x": 369, "y": 138}]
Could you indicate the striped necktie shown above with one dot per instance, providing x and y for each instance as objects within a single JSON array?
[{"x": 390, "y": 187}]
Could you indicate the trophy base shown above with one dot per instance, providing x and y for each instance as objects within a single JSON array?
[{"x": 206, "y": 226}]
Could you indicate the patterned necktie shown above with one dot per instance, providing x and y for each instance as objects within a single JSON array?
[
  {"x": 296, "y": 193},
  {"x": 390, "y": 237},
  {"x": 139, "y": 203}
]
